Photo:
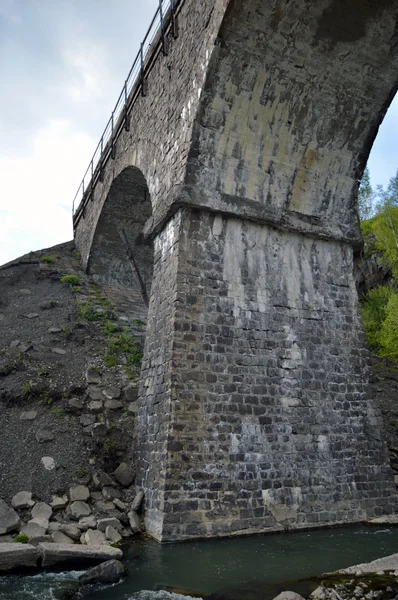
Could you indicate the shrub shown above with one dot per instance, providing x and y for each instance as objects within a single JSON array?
[
  {"x": 71, "y": 280},
  {"x": 21, "y": 538},
  {"x": 47, "y": 259}
]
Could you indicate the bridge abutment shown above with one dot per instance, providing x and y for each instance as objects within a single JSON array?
[{"x": 254, "y": 410}]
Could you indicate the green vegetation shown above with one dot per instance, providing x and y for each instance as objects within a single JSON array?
[
  {"x": 379, "y": 225},
  {"x": 79, "y": 473},
  {"x": 21, "y": 538},
  {"x": 71, "y": 280},
  {"x": 47, "y": 259}
]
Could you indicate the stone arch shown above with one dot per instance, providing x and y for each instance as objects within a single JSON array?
[
  {"x": 291, "y": 105},
  {"x": 120, "y": 255}
]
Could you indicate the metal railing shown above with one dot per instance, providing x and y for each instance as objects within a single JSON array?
[{"x": 164, "y": 24}]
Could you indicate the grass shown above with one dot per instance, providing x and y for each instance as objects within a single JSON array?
[
  {"x": 71, "y": 280},
  {"x": 21, "y": 538},
  {"x": 47, "y": 259}
]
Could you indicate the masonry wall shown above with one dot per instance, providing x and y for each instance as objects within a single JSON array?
[{"x": 269, "y": 423}]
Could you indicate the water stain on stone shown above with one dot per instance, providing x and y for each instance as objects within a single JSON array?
[{"x": 346, "y": 21}]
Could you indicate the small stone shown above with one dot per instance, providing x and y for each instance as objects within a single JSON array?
[
  {"x": 33, "y": 529},
  {"x": 110, "y": 522},
  {"x": 113, "y": 404},
  {"x": 104, "y": 507},
  {"x": 22, "y": 500},
  {"x": 94, "y": 537},
  {"x": 41, "y": 511},
  {"x": 119, "y": 504},
  {"x": 100, "y": 479},
  {"x": 96, "y": 495},
  {"x": 79, "y": 509},
  {"x": 132, "y": 407},
  {"x": 112, "y": 535},
  {"x": 14, "y": 344},
  {"x": 9, "y": 519},
  {"x": 95, "y": 406},
  {"x": 75, "y": 404},
  {"x": 28, "y": 415},
  {"x": 55, "y": 330},
  {"x": 87, "y": 420},
  {"x": 32, "y": 315},
  {"x": 59, "y": 502},
  {"x": 107, "y": 572},
  {"x": 54, "y": 526},
  {"x": 48, "y": 463},
  {"x": 71, "y": 531},
  {"x": 95, "y": 393},
  {"x": 109, "y": 492},
  {"x": 24, "y": 347},
  {"x": 124, "y": 474},
  {"x": 24, "y": 292},
  {"x": 58, "y": 351},
  {"x": 87, "y": 523},
  {"x": 111, "y": 392},
  {"x": 134, "y": 521},
  {"x": 99, "y": 431},
  {"x": 79, "y": 492},
  {"x": 92, "y": 375},
  {"x": 60, "y": 538},
  {"x": 137, "y": 500},
  {"x": 44, "y": 435}
]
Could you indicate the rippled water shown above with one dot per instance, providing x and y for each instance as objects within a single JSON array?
[{"x": 245, "y": 568}]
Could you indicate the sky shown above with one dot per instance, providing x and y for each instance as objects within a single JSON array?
[{"x": 62, "y": 66}]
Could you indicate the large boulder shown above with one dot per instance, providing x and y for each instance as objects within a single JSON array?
[
  {"x": 9, "y": 520},
  {"x": 134, "y": 521},
  {"x": 288, "y": 596},
  {"x": 79, "y": 509},
  {"x": 13, "y": 556},
  {"x": 124, "y": 474},
  {"x": 73, "y": 555},
  {"x": 110, "y": 571}
]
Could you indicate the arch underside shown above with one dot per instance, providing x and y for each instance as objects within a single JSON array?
[{"x": 113, "y": 262}]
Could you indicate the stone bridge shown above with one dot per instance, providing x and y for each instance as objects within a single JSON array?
[{"x": 235, "y": 181}]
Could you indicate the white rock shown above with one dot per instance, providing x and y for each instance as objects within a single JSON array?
[
  {"x": 112, "y": 535},
  {"x": 59, "y": 502},
  {"x": 18, "y": 555},
  {"x": 79, "y": 492},
  {"x": 60, "y": 538},
  {"x": 134, "y": 521},
  {"x": 58, "y": 554},
  {"x": 22, "y": 500},
  {"x": 87, "y": 523},
  {"x": 48, "y": 463},
  {"x": 111, "y": 521},
  {"x": 33, "y": 530},
  {"x": 71, "y": 531},
  {"x": 94, "y": 537},
  {"x": 79, "y": 509},
  {"x": 41, "y": 511}
]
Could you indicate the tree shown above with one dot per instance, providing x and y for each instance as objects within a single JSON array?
[{"x": 366, "y": 196}]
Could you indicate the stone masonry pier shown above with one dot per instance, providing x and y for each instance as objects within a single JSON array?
[{"x": 236, "y": 186}]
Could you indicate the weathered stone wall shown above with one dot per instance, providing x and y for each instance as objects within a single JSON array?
[{"x": 268, "y": 420}]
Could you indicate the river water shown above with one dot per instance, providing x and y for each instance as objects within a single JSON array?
[{"x": 244, "y": 568}]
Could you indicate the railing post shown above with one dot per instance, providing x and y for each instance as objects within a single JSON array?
[
  {"x": 174, "y": 22},
  {"x": 113, "y": 149},
  {"x": 165, "y": 49},
  {"x": 84, "y": 204},
  {"x": 92, "y": 181},
  {"x": 143, "y": 82},
  {"x": 101, "y": 168},
  {"x": 126, "y": 117}
]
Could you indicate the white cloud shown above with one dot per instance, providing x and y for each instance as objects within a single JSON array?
[
  {"x": 36, "y": 191},
  {"x": 87, "y": 71}
]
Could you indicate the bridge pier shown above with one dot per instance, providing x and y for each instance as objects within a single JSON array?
[{"x": 254, "y": 412}]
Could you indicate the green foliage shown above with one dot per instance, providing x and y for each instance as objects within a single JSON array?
[
  {"x": 58, "y": 412},
  {"x": 88, "y": 312},
  {"x": 79, "y": 473},
  {"x": 109, "y": 445},
  {"x": 77, "y": 254},
  {"x": 67, "y": 330},
  {"x": 125, "y": 345},
  {"x": 110, "y": 361},
  {"x": 389, "y": 330},
  {"x": 52, "y": 303},
  {"x": 47, "y": 259},
  {"x": 374, "y": 311},
  {"x": 21, "y": 538},
  {"x": 71, "y": 280}
]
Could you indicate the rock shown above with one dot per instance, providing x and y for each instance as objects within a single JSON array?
[
  {"x": 95, "y": 406},
  {"x": 32, "y": 315},
  {"x": 87, "y": 420},
  {"x": 58, "y": 351},
  {"x": 288, "y": 596},
  {"x": 71, "y": 531},
  {"x": 110, "y": 522},
  {"x": 17, "y": 555},
  {"x": 387, "y": 563},
  {"x": 41, "y": 512},
  {"x": 75, "y": 555},
  {"x": 9, "y": 519},
  {"x": 111, "y": 392},
  {"x": 94, "y": 537},
  {"x": 112, "y": 535},
  {"x": 79, "y": 509},
  {"x": 119, "y": 504},
  {"x": 60, "y": 538},
  {"x": 137, "y": 500},
  {"x": 132, "y": 407},
  {"x": 96, "y": 495},
  {"x": 44, "y": 435},
  {"x": 6, "y": 539},
  {"x": 109, "y": 492},
  {"x": 124, "y": 474},
  {"x": 75, "y": 404},
  {"x": 134, "y": 521},
  {"x": 38, "y": 539},
  {"x": 99, "y": 431},
  {"x": 110, "y": 571},
  {"x": 131, "y": 394},
  {"x": 54, "y": 526},
  {"x": 59, "y": 502},
  {"x": 29, "y": 415},
  {"x": 104, "y": 507},
  {"x": 24, "y": 292},
  {"x": 384, "y": 520},
  {"x": 95, "y": 393},
  {"x": 22, "y": 500},
  {"x": 34, "y": 529},
  {"x": 48, "y": 463},
  {"x": 92, "y": 375},
  {"x": 79, "y": 492},
  {"x": 87, "y": 523},
  {"x": 100, "y": 479},
  {"x": 113, "y": 404},
  {"x": 55, "y": 330}
]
